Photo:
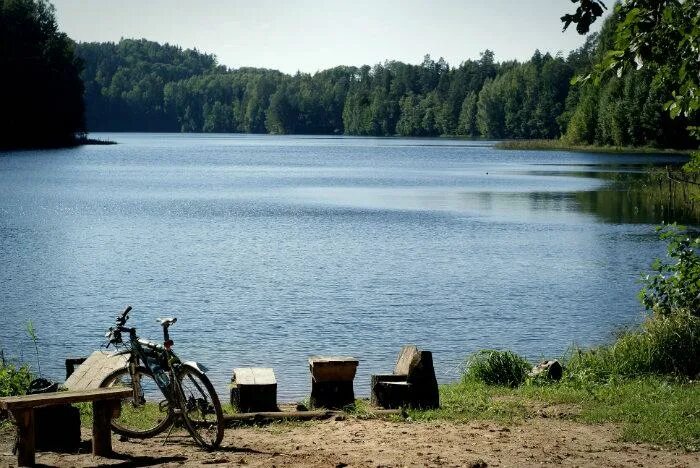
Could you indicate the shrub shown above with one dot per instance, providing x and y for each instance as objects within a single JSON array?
[
  {"x": 676, "y": 285},
  {"x": 497, "y": 368},
  {"x": 14, "y": 380},
  {"x": 665, "y": 345},
  {"x": 668, "y": 342}
]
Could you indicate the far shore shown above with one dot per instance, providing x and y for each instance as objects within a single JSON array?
[{"x": 558, "y": 145}]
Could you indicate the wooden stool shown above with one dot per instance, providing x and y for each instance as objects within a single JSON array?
[
  {"x": 254, "y": 389},
  {"x": 331, "y": 381}
]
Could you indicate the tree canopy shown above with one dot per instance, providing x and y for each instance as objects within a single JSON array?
[
  {"x": 659, "y": 39},
  {"x": 41, "y": 92},
  {"x": 145, "y": 86}
]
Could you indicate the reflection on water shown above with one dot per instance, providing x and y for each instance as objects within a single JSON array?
[
  {"x": 642, "y": 198},
  {"x": 271, "y": 249}
]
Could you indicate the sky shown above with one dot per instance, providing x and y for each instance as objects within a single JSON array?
[{"x": 308, "y": 35}]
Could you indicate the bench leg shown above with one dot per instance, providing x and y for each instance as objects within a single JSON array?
[
  {"x": 25, "y": 432},
  {"x": 102, "y": 413}
]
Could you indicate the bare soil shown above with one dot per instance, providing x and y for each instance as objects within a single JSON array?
[{"x": 344, "y": 442}]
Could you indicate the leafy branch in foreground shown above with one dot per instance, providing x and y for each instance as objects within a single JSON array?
[{"x": 675, "y": 288}]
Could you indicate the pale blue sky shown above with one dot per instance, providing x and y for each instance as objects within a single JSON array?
[{"x": 312, "y": 35}]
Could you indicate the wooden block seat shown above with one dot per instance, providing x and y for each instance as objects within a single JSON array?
[
  {"x": 254, "y": 389},
  {"x": 106, "y": 404},
  {"x": 332, "y": 381},
  {"x": 412, "y": 383},
  {"x": 92, "y": 371}
]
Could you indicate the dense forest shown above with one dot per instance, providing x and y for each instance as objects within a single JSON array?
[
  {"x": 138, "y": 85},
  {"x": 41, "y": 92}
]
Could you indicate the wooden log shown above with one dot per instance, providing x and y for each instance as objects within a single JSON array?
[
  {"x": 253, "y": 389},
  {"x": 25, "y": 436},
  {"x": 102, "y": 412},
  {"x": 407, "y": 357},
  {"x": 376, "y": 379},
  {"x": 71, "y": 364},
  {"x": 332, "y": 395},
  {"x": 394, "y": 394},
  {"x": 413, "y": 383},
  {"x": 333, "y": 368},
  {"x": 296, "y": 415},
  {"x": 425, "y": 392}
]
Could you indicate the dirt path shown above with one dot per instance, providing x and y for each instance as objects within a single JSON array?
[{"x": 351, "y": 442}]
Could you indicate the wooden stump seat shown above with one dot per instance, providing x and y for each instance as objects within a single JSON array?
[
  {"x": 412, "y": 383},
  {"x": 332, "y": 381},
  {"x": 106, "y": 404},
  {"x": 254, "y": 389}
]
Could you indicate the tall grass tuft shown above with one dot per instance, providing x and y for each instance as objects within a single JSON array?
[
  {"x": 664, "y": 345},
  {"x": 496, "y": 368}
]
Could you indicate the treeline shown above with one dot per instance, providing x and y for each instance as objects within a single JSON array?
[
  {"x": 626, "y": 110},
  {"x": 41, "y": 92},
  {"x": 137, "y": 85}
]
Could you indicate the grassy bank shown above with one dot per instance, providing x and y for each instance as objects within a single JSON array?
[
  {"x": 559, "y": 145},
  {"x": 650, "y": 409}
]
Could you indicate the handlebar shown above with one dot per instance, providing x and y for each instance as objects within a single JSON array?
[
  {"x": 121, "y": 320},
  {"x": 114, "y": 335}
]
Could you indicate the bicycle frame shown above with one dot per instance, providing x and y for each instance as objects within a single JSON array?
[
  {"x": 187, "y": 394},
  {"x": 149, "y": 353}
]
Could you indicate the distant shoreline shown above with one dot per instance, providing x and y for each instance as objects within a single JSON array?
[
  {"x": 94, "y": 141},
  {"x": 80, "y": 141},
  {"x": 557, "y": 145}
]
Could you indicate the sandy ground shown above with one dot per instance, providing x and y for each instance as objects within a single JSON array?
[{"x": 377, "y": 442}]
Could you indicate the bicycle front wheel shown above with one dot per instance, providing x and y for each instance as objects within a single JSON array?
[
  {"x": 146, "y": 412},
  {"x": 201, "y": 409}
]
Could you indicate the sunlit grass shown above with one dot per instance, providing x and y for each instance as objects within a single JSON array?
[
  {"x": 652, "y": 409},
  {"x": 142, "y": 417}
]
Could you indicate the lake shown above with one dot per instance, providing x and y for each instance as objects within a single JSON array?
[{"x": 270, "y": 249}]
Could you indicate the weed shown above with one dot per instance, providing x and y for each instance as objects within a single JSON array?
[{"x": 497, "y": 368}]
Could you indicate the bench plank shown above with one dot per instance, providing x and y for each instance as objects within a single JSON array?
[
  {"x": 90, "y": 374},
  {"x": 50, "y": 399}
]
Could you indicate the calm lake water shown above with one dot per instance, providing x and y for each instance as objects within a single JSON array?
[{"x": 271, "y": 249}]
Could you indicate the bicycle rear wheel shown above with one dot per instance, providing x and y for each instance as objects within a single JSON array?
[
  {"x": 146, "y": 412},
  {"x": 201, "y": 409}
]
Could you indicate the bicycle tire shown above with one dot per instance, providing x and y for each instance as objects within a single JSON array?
[
  {"x": 201, "y": 408},
  {"x": 146, "y": 417}
]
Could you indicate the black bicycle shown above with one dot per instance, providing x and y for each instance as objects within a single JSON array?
[{"x": 166, "y": 391}]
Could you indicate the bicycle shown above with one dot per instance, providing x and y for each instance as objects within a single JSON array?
[{"x": 165, "y": 389}]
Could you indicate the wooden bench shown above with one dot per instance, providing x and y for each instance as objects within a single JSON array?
[
  {"x": 331, "y": 381},
  {"x": 412, "y": 383},
  {"x": 254, "y": 389},
  {"x": 106, "y": 404}
]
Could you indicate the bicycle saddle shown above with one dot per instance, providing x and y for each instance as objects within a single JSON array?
[{"x": 166, "y": 322}]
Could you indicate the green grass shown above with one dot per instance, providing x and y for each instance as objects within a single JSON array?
[
  {"x": 143, "y": 417},
  {"x": 497, "y": 368},
  {"x": 661, "y": 346},
  {"x": 559, "y": 145},
  {"x": 471, "y": 400},
  {"x": 651, "y": 409}
]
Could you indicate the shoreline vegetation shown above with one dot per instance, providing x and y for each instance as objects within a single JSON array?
[
  {"x": 559, "y": 145},
  {"x": 73, "y": 143}
]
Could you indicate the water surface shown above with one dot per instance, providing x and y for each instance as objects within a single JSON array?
[{"x": 271, "y": 249}]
